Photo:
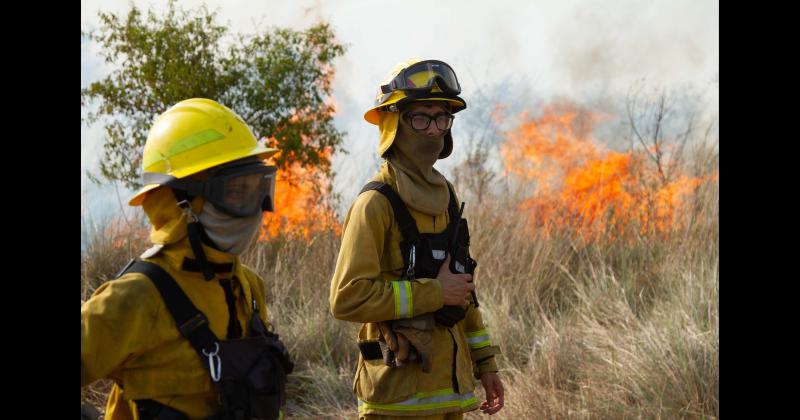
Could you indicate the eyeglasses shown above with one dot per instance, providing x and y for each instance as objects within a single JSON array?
[
  {"x": 420, "y": 121},
  {"x": 421, "y": 77}
]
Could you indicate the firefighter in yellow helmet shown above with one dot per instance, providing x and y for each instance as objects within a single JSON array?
[
  {"x": 182, "y": 331},
  {"x": 404, "y": 270}
]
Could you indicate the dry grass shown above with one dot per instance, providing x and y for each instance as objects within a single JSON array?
[{"x": 625, "y": 329}]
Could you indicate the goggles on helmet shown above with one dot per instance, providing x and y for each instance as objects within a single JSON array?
[
  {"x": 420, "y": 77},
  {"x": 240, "y": 189}
]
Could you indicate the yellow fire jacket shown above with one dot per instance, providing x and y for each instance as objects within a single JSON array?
[
  {"x": 128, "y": 335},
  {"x": 365, "y": 289}
]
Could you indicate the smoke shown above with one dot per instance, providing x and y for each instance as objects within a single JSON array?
[
  {"x": 668, "y": 43},
  {"x": 590, "y": 51}
]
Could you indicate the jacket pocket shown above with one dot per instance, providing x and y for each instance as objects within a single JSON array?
[
  {"x": 377, "y": 383},
  {"x": 464, "y": 372}
]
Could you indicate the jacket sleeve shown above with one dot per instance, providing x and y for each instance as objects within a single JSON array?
[
  {"x": 482, "y": 351},
  {"x": 116, "y": 323},
  {"x": 358, "y": 293}
]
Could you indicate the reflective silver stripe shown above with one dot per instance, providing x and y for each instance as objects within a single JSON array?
[
  {"x": 403, "y": 301},
  {"x": 410, "y": 299},
  {"x": 402, "y": 296},
  {"x": 476, "y": 340}
]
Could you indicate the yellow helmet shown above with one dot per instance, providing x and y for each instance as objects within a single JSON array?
[
  {"x": 413, "y": 80},
  {"x": 195, "y": 135}
]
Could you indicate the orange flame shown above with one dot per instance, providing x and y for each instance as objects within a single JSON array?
[
  {"x": 578, "y": 184},
  {"x": 301, "y": 200},
  {"x": 300, "y": 207}
]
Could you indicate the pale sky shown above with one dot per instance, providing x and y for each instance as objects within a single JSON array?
[{"x": 556, "y": 48}]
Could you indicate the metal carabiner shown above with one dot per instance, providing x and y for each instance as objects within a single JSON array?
[
  {"x": 186, "y": 208},
  {"x": 214, "y": 363},
  {"x": 412, "y": 261}
]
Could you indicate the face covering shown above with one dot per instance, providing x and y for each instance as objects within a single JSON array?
[
  {"x": 231, "y": 234},
  {"x": 419, "y": 185}
]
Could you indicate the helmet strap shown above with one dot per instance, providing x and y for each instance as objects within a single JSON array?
[{"x": 195, "y": 230}]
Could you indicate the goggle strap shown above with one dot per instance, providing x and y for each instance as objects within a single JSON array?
[{"x": 197, "y": 249}]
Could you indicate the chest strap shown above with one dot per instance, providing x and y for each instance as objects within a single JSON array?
[
  {"x": 407, "y": 224},
  {"x": 192, "y": 324}
]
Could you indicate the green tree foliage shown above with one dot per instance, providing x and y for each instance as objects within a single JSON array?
[{"x": 277, "y": 80}]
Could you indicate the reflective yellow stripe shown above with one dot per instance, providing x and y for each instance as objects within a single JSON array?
[
  {"x": 182, "y": 145},
  {"x": 425, "y": 401},
  {"x": 194, "y": 140},
  {"x": 403, "y": 299},
  {"x": 478, "y": 333},
  {"x": 409, "y": 299},
  {"x": 478, "y": 339}
]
